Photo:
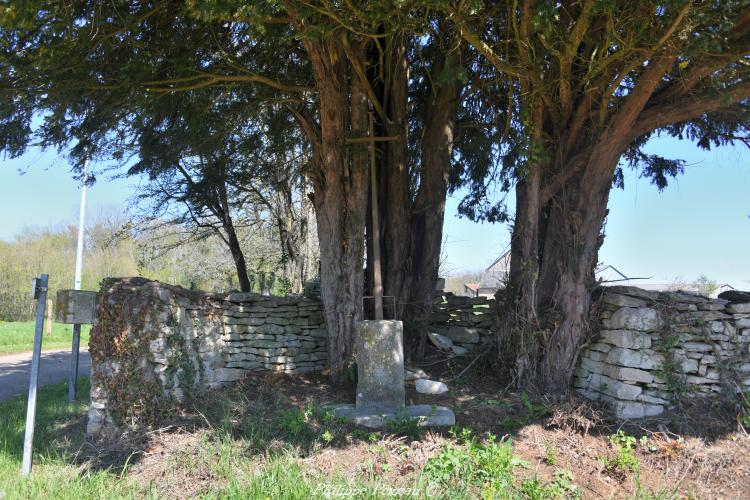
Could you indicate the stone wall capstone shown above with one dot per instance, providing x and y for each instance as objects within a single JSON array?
[
  {"x": 153, "y": 342},
  {"x": 656, "y": 347}
]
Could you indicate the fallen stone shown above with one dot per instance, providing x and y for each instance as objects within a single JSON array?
[
  {"x": 425, "y": 386},
  {"x": 462, "y": 334},
  {"x": 440, "y": 341},
  {"x": 458, "y": 350},
  {"x": 414, "y": 373}
]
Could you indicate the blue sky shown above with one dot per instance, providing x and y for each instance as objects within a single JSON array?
[{"x": 699, "y": 225}]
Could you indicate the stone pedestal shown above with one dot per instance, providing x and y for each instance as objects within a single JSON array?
[
  {"x": 380, "y": 365},
  {"x": 380, "y": 387},
  {"x": 425, "y": 415}
]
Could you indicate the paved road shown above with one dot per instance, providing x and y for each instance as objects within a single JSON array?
[{"x": 55, "y": 367}]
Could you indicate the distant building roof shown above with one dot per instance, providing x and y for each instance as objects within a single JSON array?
[
  {"x": 496, "y": 273},
  {"x": 472, "y": 286},
  {"x": 606, "y": 273}
]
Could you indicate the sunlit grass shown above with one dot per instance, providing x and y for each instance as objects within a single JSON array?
[{"x": 19, "y": 336}]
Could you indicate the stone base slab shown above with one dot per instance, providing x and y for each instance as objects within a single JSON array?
[{"x": 373, "y": 418}]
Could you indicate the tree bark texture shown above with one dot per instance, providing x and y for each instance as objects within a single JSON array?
[
  {"x": 412, "y": 203},
  {"x": 561, "y": 206},
  {"x": 340, "y": 189}
]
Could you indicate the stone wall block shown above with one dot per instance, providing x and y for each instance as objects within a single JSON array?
[
  {"x": 641, "y": 318},
  {"x": 629, "y": 339},
  {"x": 618, "y": 389},
  {"x": 620, "y": 300},
  {"x": 634, "y": 409},
  {"x": 739, "y": 308},
  {"x": 644, "y": 359},
  {"x": 627, "y": 374}
]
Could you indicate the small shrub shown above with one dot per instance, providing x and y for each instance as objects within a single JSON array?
[
  {"x": 625, "y": 459},
  {"x": 561, "y": 487},
  {"x": 293, "y": 422},
  {"x": 404, "y": 425},
  {"x": 533, "y": 412},
  {"x": 550, "y": 453},
  {"x": 487, "y": 464},
  {"x": 327, "y": 437}
]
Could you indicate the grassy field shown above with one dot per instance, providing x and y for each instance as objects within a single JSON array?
[{"x": 19, "y": 336}]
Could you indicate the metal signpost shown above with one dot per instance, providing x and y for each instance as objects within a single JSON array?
[{"x": 38, "y": 292}]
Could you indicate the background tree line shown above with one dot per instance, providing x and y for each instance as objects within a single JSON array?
[{"x": 114, "y": 245}]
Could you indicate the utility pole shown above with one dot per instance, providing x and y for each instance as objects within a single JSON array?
[{"x": 77, "y": 286}]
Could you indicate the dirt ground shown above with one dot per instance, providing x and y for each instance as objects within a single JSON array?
[{"x": 697, "y": 452}]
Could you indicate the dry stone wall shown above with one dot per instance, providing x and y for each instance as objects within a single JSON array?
[
  {"x": 465, "y": 321},
  {"x": 153, "y": 342},
  {"x": 654, "y": 348}
]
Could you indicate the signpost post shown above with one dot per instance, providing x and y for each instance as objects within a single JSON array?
[
  {"x": 77, "y": 285},
  {"x": 77, "y": 307},
  {"x": 38, "y": 292}
]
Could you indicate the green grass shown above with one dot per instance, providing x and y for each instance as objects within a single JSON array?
[
  {"x": 236, "y": 470},
  {"x": 249, "y": 449},
  {"x": 19, "y": 336},
  {"x": 54, "y": 471}
]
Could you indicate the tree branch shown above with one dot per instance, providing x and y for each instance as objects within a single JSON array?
[
  {"x": 687, "y": 108},
  {"x": 203, "y": 80}
]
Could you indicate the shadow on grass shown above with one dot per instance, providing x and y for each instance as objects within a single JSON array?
[
  {"x": 57, "y": 421},
  {"x": 266, "y": 418}
]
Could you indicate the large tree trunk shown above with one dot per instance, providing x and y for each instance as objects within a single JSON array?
[
  {"x": 555, "y": 244},
  {"x": 413, "y": 221},
  {"x": 340, "y": 187},
  {"x": 428, "y": 213},
  {"x": 394, "y": 197}
]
